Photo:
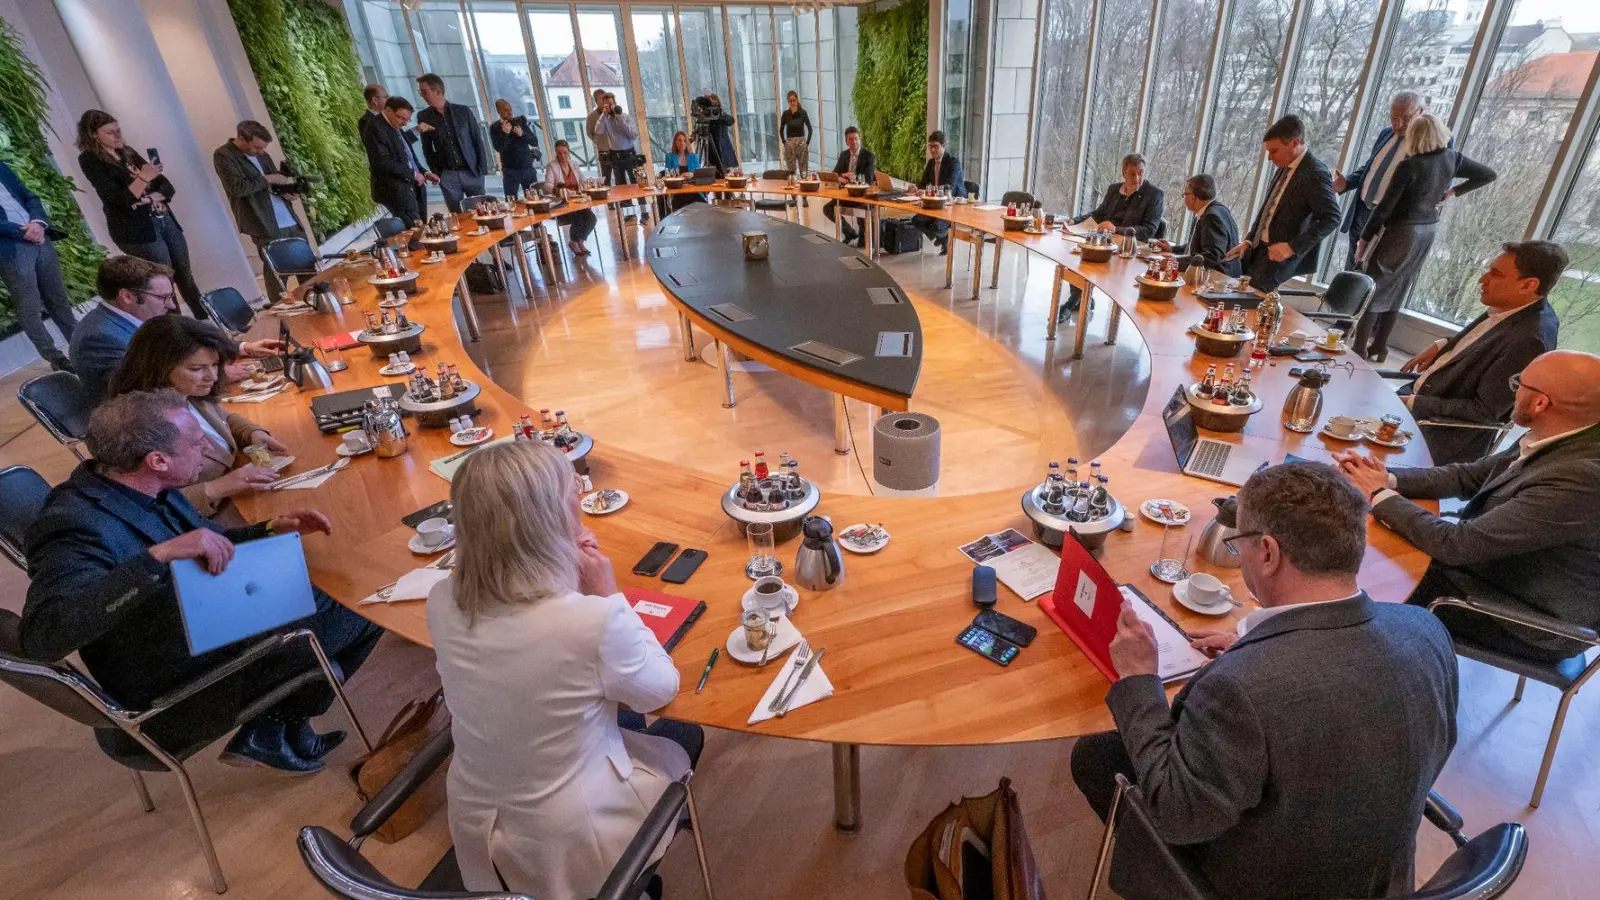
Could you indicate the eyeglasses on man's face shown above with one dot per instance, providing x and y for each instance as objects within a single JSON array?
[
  {"x": 1516, "y": 385},
  {"x": 1232, "y": 542}
]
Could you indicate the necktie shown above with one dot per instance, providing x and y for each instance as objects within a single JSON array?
[
  {"x": 1279, "y": 182},
  {"x": 1372, "y": 189}
]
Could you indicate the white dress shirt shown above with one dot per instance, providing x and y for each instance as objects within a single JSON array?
[
  {"x": 1255, "y": 617},
  {"x": 129, "y": 317},
  {"x": 1277, "y": 196},
  {"x": 1467, "y": 340},
  {"x": 15, "y": 211}
]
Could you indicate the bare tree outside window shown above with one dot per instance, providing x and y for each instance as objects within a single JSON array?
[
  {"x": 1332, "y": 52},
  {"x": 1062, "y": 66},
  {"x": 1252, "y": 50},
  {"x": 1114, "y": 101},
  {"x": 1175, "y": 97}
]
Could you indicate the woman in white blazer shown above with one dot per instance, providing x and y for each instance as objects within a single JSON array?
[{"x": 536, "y": 649}]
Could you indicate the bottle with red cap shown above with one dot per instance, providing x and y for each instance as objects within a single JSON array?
[{"x": 761, "y": 464}]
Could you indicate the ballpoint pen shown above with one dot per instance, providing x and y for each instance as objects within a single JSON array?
[{"x": 715, "y": 651}]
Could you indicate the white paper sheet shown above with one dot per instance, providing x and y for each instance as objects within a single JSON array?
[
  {"x": 1026, "y": 567},
  {"x": 1177, "y": 659},
  {"x": 1087, "y": 226}
]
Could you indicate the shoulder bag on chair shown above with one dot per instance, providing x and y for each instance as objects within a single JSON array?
[
  {"x": 977, "y": 849},
  {"x": 408, "y": 731}
]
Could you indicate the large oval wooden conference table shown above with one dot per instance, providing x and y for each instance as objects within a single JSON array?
[{"x": 899, "y": 677}]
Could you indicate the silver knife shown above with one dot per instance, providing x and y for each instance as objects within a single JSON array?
[
  {"x": 455, "y": 456},
  {"x": 783, "y": 708}
]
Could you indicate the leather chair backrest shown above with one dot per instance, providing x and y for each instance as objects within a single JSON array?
[
  {"x": 1485, "y": 867},
  {"x": 56, "y": 685},
  {"x": 885, "y": 183},
  {"x": 22, "y": 494},
  {"x": 291, "y": 256},
  {"x": 228, "y": 308},
  {"x": 60, "y": 404},
  {"x": 349, "y": 876},
  {"x": 776, "y": 175},
  {"x": 388, "y": 226},
  {"x": 471, "y": 203},
  {"x": 1348, "y": 293},
  {"x": 972, "y": 189},
  {"x": 1010, "y": 197},
  {"x": 1161, "y": 229}
]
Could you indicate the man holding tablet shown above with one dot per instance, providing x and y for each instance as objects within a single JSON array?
[{"x": 100, "y": 556}]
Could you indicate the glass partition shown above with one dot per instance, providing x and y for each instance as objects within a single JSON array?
[
  {"x": 562, "y": 74},
  {"x": 660, "y": 79},
  {"x": 750, "y": 34}
]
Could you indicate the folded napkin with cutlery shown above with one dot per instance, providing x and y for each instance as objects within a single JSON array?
[
  {"x": 414, "y": 585},
  {"x": 311, "y": 479},
  {"x": 815, "y": 687},
  {"x": 256, "y": 396}
]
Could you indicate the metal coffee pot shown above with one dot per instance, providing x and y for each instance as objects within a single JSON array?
[
  {"x": 818, "y": 565},
  {"x": 302, "y": 367},
  {"x": 321, "y": 298},
  {"x": 1224, "y": 525},
  {"x": 386, "y": 430},
  {"x": 1303, "y": 406}
]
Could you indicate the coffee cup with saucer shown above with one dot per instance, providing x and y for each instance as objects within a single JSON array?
[
  {"x": 1344, "y": 428},
  {"x": 433, "y": 535},
  {"x": 1205, "y": 594},
  {"x": 771, "y": 595},
  {"x": 354, "y": 443},
  {"x": 1295, "y": 339}
]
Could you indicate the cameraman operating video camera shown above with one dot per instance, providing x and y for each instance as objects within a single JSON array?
[
  {"x": 713, "y": 133},
  {"x": 615, "y": 137}
]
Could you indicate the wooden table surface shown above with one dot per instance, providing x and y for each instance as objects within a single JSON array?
[{"x": 898, "y": 675}]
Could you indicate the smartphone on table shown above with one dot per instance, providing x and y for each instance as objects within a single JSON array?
[{"x": 987, "y": 644}]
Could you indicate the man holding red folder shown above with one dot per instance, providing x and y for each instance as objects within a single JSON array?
[{"x": 1296, "y": 764}]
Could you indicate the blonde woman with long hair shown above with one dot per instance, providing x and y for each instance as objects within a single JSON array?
[{"x": 536, "y": 650}]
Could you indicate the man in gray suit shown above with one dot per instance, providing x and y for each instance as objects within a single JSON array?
[
  {"x": 1297, "y": 763},
  {"x": 1530, "y": 534}
]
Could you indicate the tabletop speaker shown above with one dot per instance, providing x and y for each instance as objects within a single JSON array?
[{"x": 905, "y": 451}]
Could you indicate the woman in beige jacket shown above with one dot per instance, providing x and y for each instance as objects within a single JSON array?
[{"x": 172, "y": 351}]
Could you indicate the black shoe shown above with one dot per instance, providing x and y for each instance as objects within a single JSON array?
[
  {"x": 62, "y": 364},
  {"x": 266, "y": 744},
  {"x": 308, "y": 744}
]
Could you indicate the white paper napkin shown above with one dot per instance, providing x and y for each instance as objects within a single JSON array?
[
  {"x": 295, "y": 308},
  {"x": 415, "y": 585},
  {"x": 816, "y": 687},
  {"x": 256, "y": 396},
  {"x": 309, "y": 483}
]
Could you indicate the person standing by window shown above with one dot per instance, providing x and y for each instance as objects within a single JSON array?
[
  {"x": 136, "y": 197},
  {"x": 514, "y": 139},
  {"x": 451, "y": 143},
  {"x": 795, "y": 125},
  {"x": 255, "y": 190}
]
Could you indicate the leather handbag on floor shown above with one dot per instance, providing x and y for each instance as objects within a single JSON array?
[
  {"x": 977, "y": 849},
  {"x": 408, "y": 731}
]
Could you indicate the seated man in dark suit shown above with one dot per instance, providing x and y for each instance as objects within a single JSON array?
[
  {"x": 1132, "y": 207},
  {"x": 1465, "y": 377},
  {"x": 99, "y": 555},
  {"x": 1297, "y": 763},
  {"x": 398, "y": 176},
  {"x": 132, "y": 291},
  {"x": 858, "y": 165},
  {"x": 1214, "y": 232},
  {"x": 1300, "y": 210},
  {"x": 941, "y": 170},
  {"x": 1529, "y": 535}
]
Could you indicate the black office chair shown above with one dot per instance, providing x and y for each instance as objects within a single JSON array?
[
  {"x": 1342, "y": 303},
  {"x": 227, "y": 307},
  {"x": 387, "y": 227},
  {"x": 58, "y": 402},
  {"x": 120, "y": 731},
  {"x": 292, "y": 257},
  {"x": 1480, "y": 869},
  {"x": 774, "y": 204},
  {"x": 972, "y": 189},
  {"x": 1567, "y": 676},
  {"x": 340, "y": 867},
  {"x": 22, "y": 494}
]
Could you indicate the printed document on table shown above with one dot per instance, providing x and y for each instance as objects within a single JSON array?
[
  {"x": 1178, "y": 660},
  {"x": 1087, "y": 226},
  {"x": 1026, "y": 567}
]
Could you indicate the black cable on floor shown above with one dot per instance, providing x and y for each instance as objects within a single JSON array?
[{"x": 856, "y": 450}]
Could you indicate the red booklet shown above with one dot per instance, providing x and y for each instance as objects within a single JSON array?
[
  {"x": 344, "y": 340},
  {"x": 669, "y": 616},
  {"x": 1085, "y": 603}
]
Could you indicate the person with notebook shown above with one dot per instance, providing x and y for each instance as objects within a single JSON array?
[
  {"x": 537, "y": 650},
  {"x": 99, "y": 557},
  {"x": 1317, "y": 731}
]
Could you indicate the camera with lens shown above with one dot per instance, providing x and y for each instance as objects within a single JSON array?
[{"x": 302, "y": 183}]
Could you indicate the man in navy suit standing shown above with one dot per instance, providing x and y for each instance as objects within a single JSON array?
[
  {"x": 31, "y": 269},
  {"x": 1370, "y": 181},
  {"x": 1299, "y": 212}
]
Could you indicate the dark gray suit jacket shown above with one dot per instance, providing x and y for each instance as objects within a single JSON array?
[
  {"x": 1530, "y": 531},
  {"x": 1474, "y": 386},
  {"x": 1307, "y": 213},
  {"x": 98, "y": 344},
  {"x": 249, "y": 192},
  {"x": 1213, "y": 235},
  {"x": 1296, "y": 764}
]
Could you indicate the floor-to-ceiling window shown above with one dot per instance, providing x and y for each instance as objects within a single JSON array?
[
  {"x": 566, "y": 95},
  {"x": 1063, "y": 66},
  {"x": 1252, "y": 50},
  {"x": 750, "y": 40},
  {"x": 1577, "y": 296},
  {"x": 503, "y": 57},
  {"x": 1119, "y": 75},
  {"x": 1328, "y": 71},
  {"x": 1187, "y": 30},
  {"x": 655, "y": 37}
]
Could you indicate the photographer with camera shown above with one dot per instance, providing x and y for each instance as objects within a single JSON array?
[
  {"x": 517, "y": 142},
  {"x": 616, "y": 138},
  {"x": 259, "y": 194},
  {"x": 713, "y": 133}
]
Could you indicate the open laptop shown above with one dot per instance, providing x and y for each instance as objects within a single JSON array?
[
  {"x": 1204, "y": 457},
  {"x": 265, "y": 586}
]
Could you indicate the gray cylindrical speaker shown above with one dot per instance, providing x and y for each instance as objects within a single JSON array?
[{"x": 905, "y": 451}]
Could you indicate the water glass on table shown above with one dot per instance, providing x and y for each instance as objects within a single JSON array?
[
  {"x": 1169, "y": 565},
  {"x": 763, "y": 551}
]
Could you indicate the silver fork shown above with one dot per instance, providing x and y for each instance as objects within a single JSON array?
[
  {"x": 801, "y": 657},
  {"x": 447, "y": 561},
  {"x": 306, "y": 476}
]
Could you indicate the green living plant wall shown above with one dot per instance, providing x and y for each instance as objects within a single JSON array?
[
  {"x": 305, "y": 62},
  {"x": 891, "y": 90},
  {"x": 23, "y": 118}
]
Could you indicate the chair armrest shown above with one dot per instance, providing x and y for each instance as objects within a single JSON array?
[
  {"x": 1505, "y": 611},
  {"x": 1298, "y": 292},
  {"x": 400, "y": 788},
  {"x": 255, "y": 652},
  {"x": 1445, "y": 817},
  {"x": 1326, "y": 316},
  {"x": 622, "y": 883},
  {"x": 1397, "y": 375}
]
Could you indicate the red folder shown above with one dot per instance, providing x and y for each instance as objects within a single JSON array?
[
  {"x": 668, "y": 616},
  {"x": 1082, "y": 583},
  {"x": 344, "y": 340}
]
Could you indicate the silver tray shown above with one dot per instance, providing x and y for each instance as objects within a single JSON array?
[
  {"x": 797, "y": 508},
  {"x": 1033, "y": 506},
  {"x": 368, "y": 337},
  {"x": 1204, "y": 403},
  {"x": 466, "y": 396}
]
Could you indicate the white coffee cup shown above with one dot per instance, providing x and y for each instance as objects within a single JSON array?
[
  {"x": 1343, "y": 426},
  {"x": 1296, "y": 339},
  {"x": 356, "y": 441},
  {"x": 771, "y": 595},
  {"x": 1206, "y": 590},
  {"x": 435, "y": 532}
]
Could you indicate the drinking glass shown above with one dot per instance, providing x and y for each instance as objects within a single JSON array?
[
  {"x": 763, "y": 551},
  {"x": 1169, "y": 565}
]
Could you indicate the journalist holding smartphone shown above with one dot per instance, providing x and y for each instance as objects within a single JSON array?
[{"x": 137, "y": 199}]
